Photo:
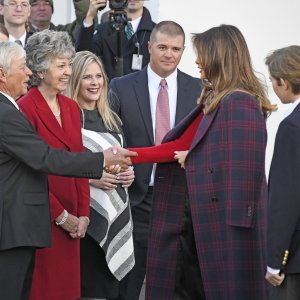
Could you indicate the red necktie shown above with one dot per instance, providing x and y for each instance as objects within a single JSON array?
[{"x": 162, "y": 124}]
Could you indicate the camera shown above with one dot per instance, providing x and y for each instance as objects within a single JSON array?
[{"x": 118, "y": 5}]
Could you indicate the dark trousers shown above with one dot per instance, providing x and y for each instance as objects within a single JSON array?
[
  {"x": 288, "y": 290},
  {"x": 188, "y": 280},
  {"x": 16, "y": 271},
  {"x": 132, "y": 284}
]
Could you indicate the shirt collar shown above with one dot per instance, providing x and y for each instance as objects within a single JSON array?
[
  {"x": 155, "y": 79},
  {"x": 135, "y": 23},
  {"x": 22, "y": 39},
  {"x": 11, "y": 100}
]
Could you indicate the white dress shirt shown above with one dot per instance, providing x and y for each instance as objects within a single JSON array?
[{"x": 154, "y": 87}]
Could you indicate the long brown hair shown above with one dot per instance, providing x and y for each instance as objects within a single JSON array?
[
  {"x": 224, "y": 56},
  {"x": 80, "y": 63}
]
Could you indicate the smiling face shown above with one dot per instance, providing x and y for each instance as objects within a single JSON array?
[
  {"x": 165, "y": 53},
  {"x": 58, "y": 74},
  {"x": 90, "y": 86},
  {"x": 16, "y": 81}
]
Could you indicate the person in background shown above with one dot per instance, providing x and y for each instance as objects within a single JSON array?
[
  {"x": 103, "y": 40},
  {"x": 3, "y": 33},
  {"x": 210, "y": 232},
  {"x": 144, "y": 100},
  {"x": 15, "y": 15},
  {"x": 25, "y": 160},
  {"x": 283, "y": 252},
  {"x": 107, "y": 250},
  {"x": 56, "y": 119},
  {"x": 41, "y": 13}
]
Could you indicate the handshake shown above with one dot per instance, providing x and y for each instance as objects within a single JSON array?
[{"x": 116, "y": 158}]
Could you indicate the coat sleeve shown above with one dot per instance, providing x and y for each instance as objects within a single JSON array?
[
  {"x": 19, "y": 140},
  {"x": 284, "y": 191},
  {"x": 245, "y": 150}
]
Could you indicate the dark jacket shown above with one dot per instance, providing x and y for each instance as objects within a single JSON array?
[
  {"x": 103, "y": 41},
  {"x": 81, "y": 8},
  {"x": 130, "y": 99}
]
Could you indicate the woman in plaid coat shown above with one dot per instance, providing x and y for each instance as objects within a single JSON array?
[{"x": 207, "y": 236}]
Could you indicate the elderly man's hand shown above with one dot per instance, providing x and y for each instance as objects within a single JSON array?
[{"x": 118, "y": 156}]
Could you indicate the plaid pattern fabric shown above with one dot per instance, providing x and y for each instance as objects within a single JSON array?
[{"x": 226, "y": 185}]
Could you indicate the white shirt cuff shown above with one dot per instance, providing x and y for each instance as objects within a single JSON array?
[{"x": 273, "y": 271}]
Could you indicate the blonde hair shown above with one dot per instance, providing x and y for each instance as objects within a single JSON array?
[
  {"x": 224, "y": 56},
  {"x": 80, "y": 63}
]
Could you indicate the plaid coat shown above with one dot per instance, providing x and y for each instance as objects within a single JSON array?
[{"x": 226, "y": 185}]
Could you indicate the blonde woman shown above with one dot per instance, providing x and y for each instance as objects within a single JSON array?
[{"x": 107, "y": 250}]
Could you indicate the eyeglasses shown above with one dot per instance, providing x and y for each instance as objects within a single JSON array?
[
  {"x": 40, "y": 4},
  {"x": 15, "y": 5}
]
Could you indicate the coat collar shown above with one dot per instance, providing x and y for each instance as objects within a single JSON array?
[
  {"x": 205, "y": 124},
  {"x": 46, "y": 116},
  {"x": 5, "y": 100}
]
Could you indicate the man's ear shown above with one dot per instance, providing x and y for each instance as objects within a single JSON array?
[
  {"x": 3, "y": 75},
  {"x": 285, "y": 83}
]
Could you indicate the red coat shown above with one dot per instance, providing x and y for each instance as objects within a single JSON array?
[
  {"x": 57, "y": 269},
  {"x": 227, "y": 191}
]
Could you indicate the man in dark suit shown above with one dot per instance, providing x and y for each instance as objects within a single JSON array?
[
  {"x": 283, "y": 248},
  {"x": 135, "y": 97},
  {"x": 25, "y": 160},
  {"x": 103, "y": 39}
]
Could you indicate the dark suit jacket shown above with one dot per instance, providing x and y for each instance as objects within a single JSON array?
[
  {"x": 284, "y": 197},
  {"x": 130, "y": 96},
  {"x": 227, "y": 191},
  {"x": 24, "y": 161},
  {"x": 104, "y": 44}
]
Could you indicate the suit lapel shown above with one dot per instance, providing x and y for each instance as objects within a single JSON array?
[
  {"x": 5, "y": 100},
  {"x": 203, "y": 128},
  {"x": 141, "y": 90},
  {"x": 46, "y": 116}
]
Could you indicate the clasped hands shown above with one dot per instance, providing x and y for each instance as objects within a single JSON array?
[
  {"x": 117, "y": 159},
  {"x": 75, "y": 226}
]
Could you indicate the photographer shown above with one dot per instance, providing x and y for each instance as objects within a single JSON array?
[{"x": 103, "y": 40}]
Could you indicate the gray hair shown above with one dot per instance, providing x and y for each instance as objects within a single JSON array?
[
  {"x": 9, "y": 50},
  {"x": 44, "y": 46}
]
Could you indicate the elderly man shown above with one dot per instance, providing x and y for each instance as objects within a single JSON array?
[{"x": 25, "y": 161}]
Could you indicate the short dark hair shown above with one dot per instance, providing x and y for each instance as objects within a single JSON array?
[{"x": 169, "y": 28}]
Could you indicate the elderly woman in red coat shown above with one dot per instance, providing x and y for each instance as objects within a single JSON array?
[
  {"x": 56, "y": 118},
  {"x": 208, "y": 225}
]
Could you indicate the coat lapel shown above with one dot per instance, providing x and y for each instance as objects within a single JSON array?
[
  {"x": 203, "y": 128},
  {"x": 140, "y": 87},
  {"x": 46, "y": 116},
  {"x": 4, "y": 99}
]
